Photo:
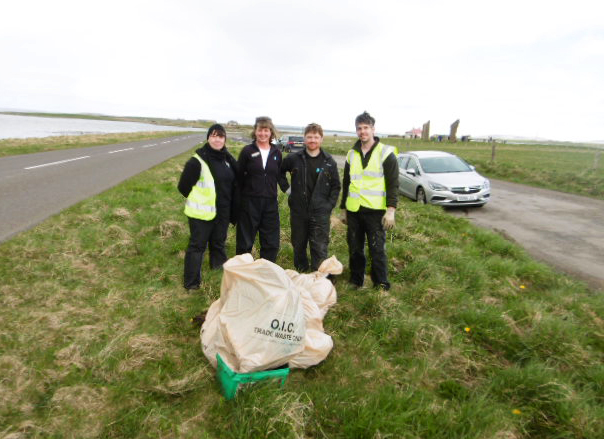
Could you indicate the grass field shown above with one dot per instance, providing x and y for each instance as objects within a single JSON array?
[
  {"x": 474, "y": 340},
  {"x": 566, "y": 168}
]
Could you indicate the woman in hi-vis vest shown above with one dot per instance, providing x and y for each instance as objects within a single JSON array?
[{"x": 208, "y": 181}]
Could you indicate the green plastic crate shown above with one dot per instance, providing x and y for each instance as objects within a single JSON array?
[{"x": 230, "y": 380}]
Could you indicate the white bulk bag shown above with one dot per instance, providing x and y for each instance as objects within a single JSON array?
[
  {"x": 258, "y": 323},
  {"x": 318, "y": 294}
]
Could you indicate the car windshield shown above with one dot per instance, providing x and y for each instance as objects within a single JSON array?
[
  {"x": 296, "y": 139},
  {"x": 437, "y": 165}
]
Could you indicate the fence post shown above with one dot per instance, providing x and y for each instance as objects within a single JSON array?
[
  {"x": 597, "y": 160},
  {"x": 493, "y": 152}
]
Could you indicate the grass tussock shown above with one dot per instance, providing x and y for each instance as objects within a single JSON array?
[{"x": 474, "y": 339}]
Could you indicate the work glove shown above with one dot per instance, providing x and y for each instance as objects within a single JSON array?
[
  {"x": 288, "y": 191},
  {"x": 388, "y": 219}
]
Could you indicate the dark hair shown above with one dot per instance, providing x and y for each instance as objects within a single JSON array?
[
  {"x": 364, "y": 118},
  {"x": 313, "y": 128},
  {"x": 218, "y": 129},
  {"x": 264, "y": 122}
]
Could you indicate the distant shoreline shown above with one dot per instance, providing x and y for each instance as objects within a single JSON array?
[
  {"x": 205, "y": 123},
  {"x": 22, "y": 126}
]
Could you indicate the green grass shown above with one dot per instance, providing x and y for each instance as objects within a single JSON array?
[
  {"x": 575, "y": 169},
  {"x": 474, "y": 340},
  {"x": 10, "y": 147}
]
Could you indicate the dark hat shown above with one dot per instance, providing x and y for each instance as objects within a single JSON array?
[{"x": 216, "y": 127}]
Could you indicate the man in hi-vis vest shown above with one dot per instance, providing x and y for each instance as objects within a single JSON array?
[{"x": 370, "y": 194}]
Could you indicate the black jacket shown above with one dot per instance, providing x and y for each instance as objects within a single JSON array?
[
  {"x": 390, "y": 166},
  {"x": 327, "y": 187},
  {"x": 254, "y": 180},
  {"x": 223, "y": 167}
]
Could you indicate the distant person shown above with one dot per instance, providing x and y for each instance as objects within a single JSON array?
[
  {"x": 370, "y": 195},
  {"x": 259, "y": 166},
  {"x": 315, "y": 187},
  {"x": 208, "y": 181}
]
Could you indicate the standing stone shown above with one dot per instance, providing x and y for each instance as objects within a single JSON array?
[
  {"x": 426, "y": 131},
  {"x": 453, "y": 133}
]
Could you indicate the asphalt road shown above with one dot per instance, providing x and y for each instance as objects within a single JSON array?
[
  {"x": 563, "y": 230},
  {"x": 36, "y": 186}
]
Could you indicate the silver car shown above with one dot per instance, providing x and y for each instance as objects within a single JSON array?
[{"x": 441, "y": 178}]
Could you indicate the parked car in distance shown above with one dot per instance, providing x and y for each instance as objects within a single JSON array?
[
  {"x": 291, "y": 143},
  {"x": 437, "y": 177}
]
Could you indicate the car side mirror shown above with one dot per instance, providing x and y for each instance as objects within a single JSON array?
[
  {"x": 411, "y": 172},
  {"x": 472, "y": 167}
]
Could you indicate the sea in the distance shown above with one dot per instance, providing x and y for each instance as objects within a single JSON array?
[{"x": 20, "y": 127}]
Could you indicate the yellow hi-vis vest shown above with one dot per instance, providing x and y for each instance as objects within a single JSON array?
[
  {"x": 367, "y": 186},
  {"x": 201, "y": 202}
]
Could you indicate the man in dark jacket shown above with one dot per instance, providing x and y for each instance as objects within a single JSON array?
[{"x": 314, "y": 190}]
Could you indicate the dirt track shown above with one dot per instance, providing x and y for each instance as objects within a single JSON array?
[{"x": 566, "y": 231}]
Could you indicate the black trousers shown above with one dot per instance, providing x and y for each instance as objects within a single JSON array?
[
  {"x": 309, "y": 231},
  {"x": 361, "y": 225},
  {"x": 205, "y": 234},
  {"x": 259, "y": 215}
]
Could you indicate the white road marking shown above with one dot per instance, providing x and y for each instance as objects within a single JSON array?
[
  {"x": 87, "y": 156},
  {"x": 120, "y": 150},
  {"x": 58, "y": 163}
]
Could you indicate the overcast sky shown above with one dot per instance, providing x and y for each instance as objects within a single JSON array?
[{"x": 525, "y": 68}]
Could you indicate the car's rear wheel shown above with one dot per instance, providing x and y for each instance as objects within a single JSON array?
[{"x": 421, "y": 195}]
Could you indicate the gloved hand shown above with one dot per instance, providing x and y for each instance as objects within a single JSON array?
[
  {"x": 288, "y": 191},
  {"x": 388, "y": 219}
]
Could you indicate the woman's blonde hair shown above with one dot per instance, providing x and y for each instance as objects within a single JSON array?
[{"x": 264, "y": 122}]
